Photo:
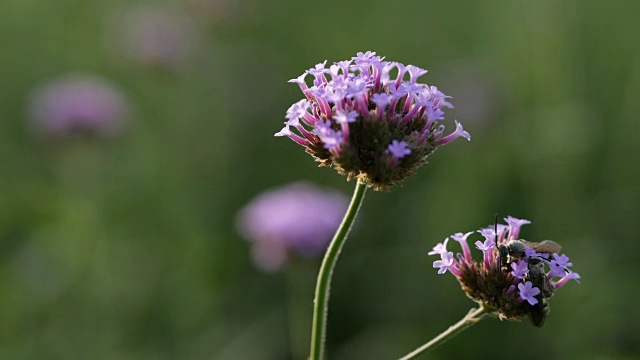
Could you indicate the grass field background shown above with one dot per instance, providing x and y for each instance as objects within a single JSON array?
[{"x": 125, "y": 247}]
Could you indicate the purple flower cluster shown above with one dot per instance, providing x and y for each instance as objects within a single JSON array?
[
  {"x": 78, "y": 103},
  {"x": 364, "y": 117},
  {"x": 298, "y": 218},
  {"x": 495, "y": 285},
  {"x": 155, "y": 36}
]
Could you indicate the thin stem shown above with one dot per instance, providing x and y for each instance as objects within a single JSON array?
[
  {"x": 298, "y": 289},
  {"x": 471, "y": 318},
  {"x": 321, "y": 300}
]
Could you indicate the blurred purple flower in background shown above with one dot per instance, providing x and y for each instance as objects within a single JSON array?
[
  {"x": 77, "y": 103},
  {"x": 299, "y": 217},
  {"x": 154, "y": 36},
  {"x": 219, "y": 11}
]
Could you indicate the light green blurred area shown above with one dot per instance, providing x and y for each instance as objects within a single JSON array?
[{"x": 126, "y": 248}]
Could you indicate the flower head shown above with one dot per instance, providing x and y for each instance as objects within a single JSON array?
[
  {"x": 154, "y": 36},
  {"x": 298, "y": 218},
  {"x": 78, "y": 103},
  {"x": 369, "y": 118},
  {"x": 494, "y": 280}
]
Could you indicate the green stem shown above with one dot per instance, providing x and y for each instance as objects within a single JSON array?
[
  {"x": 298, "y": 290},
  {"x": 321, "y": 300},
  {"x": 471, "y": 318}
]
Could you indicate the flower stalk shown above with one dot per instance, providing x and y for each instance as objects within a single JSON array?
[
  {"x": 321, "y": 300},
  {"x": 471, "y": 318}
]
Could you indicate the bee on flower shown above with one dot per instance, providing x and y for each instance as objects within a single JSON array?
[{"x": 515, "y": 277}]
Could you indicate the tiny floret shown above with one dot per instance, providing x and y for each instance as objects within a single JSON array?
[
  {"x": 345, "y": 117},
  {"x": 485, "y": 246},
  {"x": 399, "y": 149},
  {"x": 439, "y": 248},
  {"x": 460, "y": 132},
  {"x": 445, "y": 262},
  {"x": 376, "y": 124},
  {"x": 514, "y": 226},
  {"x": 528, "y": 292},
  {"x": 562, "y": 260},
  {"x": 460, "y": 237},
  {"x": 520, "y": 269},
  {"x": 569, "y": 276}
]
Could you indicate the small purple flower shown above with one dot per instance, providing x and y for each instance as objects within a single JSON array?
[
  {"x": 569, "y": 276},
  {"x": 299, "y": 217},
  {"x": 381, "y": 101},
  {"x": 528, "y": 292},
  {"x": 439, "y": 248},
  {"x": 486, "y": 246},
  {"x": 562, "y": 260},
  {"x": 398, "y": 150},
  {"x": 488, "y": 233},
  {"x": 520, "y": 269},
  {"x": 78, "y": 103},
  {"x": 559, "y": 266},
  {"x": 331, "y": 138},
  {"x": 286, "y": 131},
  {"x": 502, "y": 231},
  {"x": 359, "y": 95},
  {"x": 514, "y": 226},
  {"x": 462, "y": 239},
  {"x": 297, "y": 110},
  {"x": 454, "y": 135},
  {"x": 487, "y": 249},
  {"x": 445, "y": 263},
  {"x": 415, "y": 72},
  {"x": 155, "y": 36},
  {"x": 556, "y": 270},
  {"x": 344, "y": 117}
]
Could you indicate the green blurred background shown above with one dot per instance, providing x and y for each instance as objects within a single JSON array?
[{"x": 125, "y": 248}]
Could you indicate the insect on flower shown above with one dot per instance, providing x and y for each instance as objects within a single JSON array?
[
  {"x": 512, "y": 279},
  {"x": 517, "y": 249}
]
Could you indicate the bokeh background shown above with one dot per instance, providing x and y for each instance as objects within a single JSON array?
[{"x": 124, "y": 246}]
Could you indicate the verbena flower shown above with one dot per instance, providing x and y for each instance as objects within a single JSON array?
[
  {"x": 370, "y": 119},
  {"x": 78, "y": 103},
  {"x": 505, "y": 285},
  {"x": 298, "y": 218},
  {"x": 155, "y": 36}
]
